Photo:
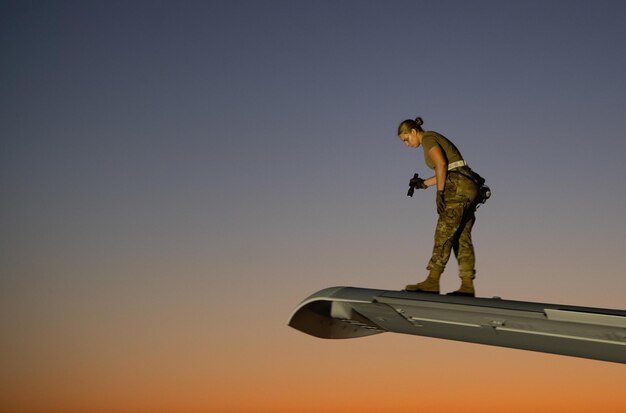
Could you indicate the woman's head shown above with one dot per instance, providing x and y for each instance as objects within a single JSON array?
[
  {"x": 408, "y": 131},
  {"x": 407, "y": 125}
]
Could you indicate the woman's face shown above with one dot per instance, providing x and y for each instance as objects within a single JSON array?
[{"x": 410, "y": 138}]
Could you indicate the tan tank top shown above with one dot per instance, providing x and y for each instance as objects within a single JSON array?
[{"x": 450, "y": 151}]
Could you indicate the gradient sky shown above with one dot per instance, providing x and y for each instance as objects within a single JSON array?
[{"x": 177, "y": 176}]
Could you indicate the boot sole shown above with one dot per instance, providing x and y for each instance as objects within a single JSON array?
[
  {"x": 462, "y": 294},
  {"x": 422, "y": 291}
]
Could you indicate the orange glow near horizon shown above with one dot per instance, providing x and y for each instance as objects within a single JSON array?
[{"x": 391, "y": 373}]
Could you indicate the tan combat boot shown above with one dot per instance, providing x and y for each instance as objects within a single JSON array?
[
  {"x": 467, "y": 288},
  {"x": 429, "y": 285}
]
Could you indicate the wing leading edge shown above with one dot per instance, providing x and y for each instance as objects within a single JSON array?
[{"x": 349, "y": 312}]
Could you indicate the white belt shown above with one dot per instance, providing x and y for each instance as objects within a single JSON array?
[{"x": 456, "y": 164}]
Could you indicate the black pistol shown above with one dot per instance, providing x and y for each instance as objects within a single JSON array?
[{"x": 415, "y": 182}]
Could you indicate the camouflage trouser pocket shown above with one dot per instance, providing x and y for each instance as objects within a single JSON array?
[
  {"x": 449, "y": 221},
  {"x": 460, "y": 189},
  {"x": 453, "y": 232}
]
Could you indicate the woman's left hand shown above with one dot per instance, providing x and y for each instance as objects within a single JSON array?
[{"x": 441, "y": 202}]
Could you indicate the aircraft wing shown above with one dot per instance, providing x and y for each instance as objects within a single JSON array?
[{"x": 349, "y": 312}]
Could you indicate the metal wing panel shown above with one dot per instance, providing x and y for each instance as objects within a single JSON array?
[{"x": 347, "y": 312}]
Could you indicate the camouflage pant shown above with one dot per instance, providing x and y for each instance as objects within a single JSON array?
[{"x": 454, "y": 227}]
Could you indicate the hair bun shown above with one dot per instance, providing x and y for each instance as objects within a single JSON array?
[{"x": 419, "y": 121}]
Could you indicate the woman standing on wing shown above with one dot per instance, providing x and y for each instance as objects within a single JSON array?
[{"x": 457, "y": 196}]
